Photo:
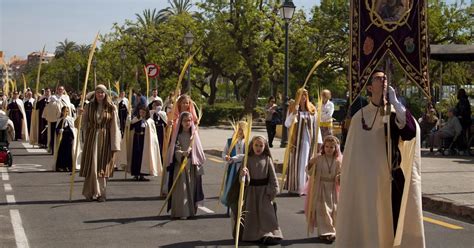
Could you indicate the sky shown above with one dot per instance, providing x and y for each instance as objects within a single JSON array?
[{"x": 27, "y": 25}]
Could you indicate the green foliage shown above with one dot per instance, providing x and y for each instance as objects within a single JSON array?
[
  {"x": 416, "y": 105},
  {"x": 221, "y": 112},
  {"x": 240, "y": 51},
  {"x": 445, "y": 104}
]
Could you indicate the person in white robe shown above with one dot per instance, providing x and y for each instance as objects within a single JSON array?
[
  {"x": 380, "y": 198},
  {"x": 303, "y": 143}
]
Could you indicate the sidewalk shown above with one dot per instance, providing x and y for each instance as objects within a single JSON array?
[{"x": 447, "y": 182}]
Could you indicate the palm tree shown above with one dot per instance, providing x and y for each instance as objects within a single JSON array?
[
  {"x": 177, "y": 7},
  {"x": 84, "y": 49},
  {"x": 64, "y": 48},
  {"x": 148, "y": 18}
]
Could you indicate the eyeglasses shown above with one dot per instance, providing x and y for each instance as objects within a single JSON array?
[{"x": 382, "y": 78}]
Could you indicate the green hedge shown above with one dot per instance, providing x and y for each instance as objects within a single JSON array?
[{"x": 223, "y": 112}]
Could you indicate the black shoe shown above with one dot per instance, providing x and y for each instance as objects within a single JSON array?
[
  {"x": 143, "y": 179},
  {"x": 270, "y": 241},
  {"x": 271, "y": 145}
]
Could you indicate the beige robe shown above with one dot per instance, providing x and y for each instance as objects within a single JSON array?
[
  {"x": 325, "y": 195},
  {"x": 151, "y": 161},
  {"x": 365, "y": 212}
]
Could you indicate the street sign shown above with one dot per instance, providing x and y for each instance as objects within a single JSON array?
[{"x": 153, "y": 70}]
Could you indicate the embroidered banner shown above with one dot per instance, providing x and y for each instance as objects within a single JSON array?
[{"x": 396, "y": 28}]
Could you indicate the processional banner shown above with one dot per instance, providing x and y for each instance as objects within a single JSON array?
[{"x": 395, "y": 28}]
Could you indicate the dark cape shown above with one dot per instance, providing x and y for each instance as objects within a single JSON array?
[{"x": 14, "y": 113}]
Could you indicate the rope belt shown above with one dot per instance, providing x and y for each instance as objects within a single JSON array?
[
  {"x": 327, "y": 179},
  {"x": 259, "y": 182},
  {"x": 326, "y": 124}
]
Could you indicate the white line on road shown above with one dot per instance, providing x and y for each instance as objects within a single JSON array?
[
  {"x": 206, "y": 210},
  {"x": 3, "y": 169},
  {"x": 5, "y": 176},
  {"x": 32, "y": 149},
  {"x": 11, "y": 199},
  {"x": 20, "y": 235},
  {"x": 8, "y": 187}
]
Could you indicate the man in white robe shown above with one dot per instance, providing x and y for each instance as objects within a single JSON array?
[{"x": 380, "y": 201}]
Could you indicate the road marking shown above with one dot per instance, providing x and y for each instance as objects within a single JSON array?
[
  {"x": 442, "y": 223},
  {"x": 206, "y": 210},
  {"x": 5, "y": 176},
  {"x": 215, "y": 159},
  {"x": 3, "y": 169},
  {"x": 20, "y": 235},
  {"x": 32, "y": 149},
  {"x": 26, "y": 167},
  {"x": 11, "y": 199},
  {"x": 8, "y": 187}
]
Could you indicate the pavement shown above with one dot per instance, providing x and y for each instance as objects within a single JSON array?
[
  {"x": 35, "y": 210},
  {"x": 447, "y": 181}
]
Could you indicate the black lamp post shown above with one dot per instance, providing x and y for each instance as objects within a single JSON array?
[
  {"x": 287, "y": 10},
  {"x": 188, "y": 41},
  {"x": 123, "y": 56}
]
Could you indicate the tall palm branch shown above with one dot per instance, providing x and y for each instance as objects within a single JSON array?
[
  {"x": 177, "y": 7},
  {"x": 64, "y": 48},
  {"x": 148, "y": 18}
]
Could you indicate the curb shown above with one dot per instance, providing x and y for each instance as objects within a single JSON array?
[
  {"x": 444, "y": 206},
  {"x": 429, "y": 202}
]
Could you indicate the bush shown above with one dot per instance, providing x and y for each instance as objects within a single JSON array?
[{"x": 223, "y": 112}]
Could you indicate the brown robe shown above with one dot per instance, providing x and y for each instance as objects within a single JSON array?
[
  {"x": 102, "y": 136},
  {"x": 260, "y": 219}
]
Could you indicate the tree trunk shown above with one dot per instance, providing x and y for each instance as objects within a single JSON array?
[
  {"x": 213, "y": 86},
  {"x": 251, "y": 99},
  {"x": 236, "y": 90}
]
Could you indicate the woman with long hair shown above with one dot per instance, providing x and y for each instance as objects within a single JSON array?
[
  {"x": 303, "y": 143},
  {"x": 101, "y": 143}
]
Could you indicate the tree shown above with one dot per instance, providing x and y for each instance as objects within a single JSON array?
[
  {"x": 148, "y": 18},
  {"x": 177, "y": 7},
  {"x": 64, "y": 48}
]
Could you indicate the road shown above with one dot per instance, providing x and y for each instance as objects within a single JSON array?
[{"x": 35, "y": 212}]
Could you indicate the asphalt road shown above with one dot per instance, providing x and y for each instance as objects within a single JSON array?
[{"x": 35, "y": 212}]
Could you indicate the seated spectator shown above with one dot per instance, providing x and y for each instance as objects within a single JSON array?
[
  {"x": 428, "y": 122},
  {"x": 451, "y": 129},
  {"x": 463, "y": 112}
]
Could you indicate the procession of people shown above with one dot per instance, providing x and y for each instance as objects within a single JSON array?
[{"x": 342, "y": 190}]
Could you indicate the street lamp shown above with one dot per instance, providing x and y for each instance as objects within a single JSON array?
[
  {"x": 286, "y": 10},
  {"x": 188, "y": 41},
  {"x": 123, "y": 56},
  {"x": 78, "y": 69},
  {"x": 94, "y": 63}
]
